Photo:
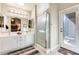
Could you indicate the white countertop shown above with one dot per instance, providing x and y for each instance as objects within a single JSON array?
[{"x": 14, "y": 34}]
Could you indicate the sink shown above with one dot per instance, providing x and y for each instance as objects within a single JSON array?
[{"x": 19, "y": 33}]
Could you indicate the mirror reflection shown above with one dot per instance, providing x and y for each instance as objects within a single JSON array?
[
  {"x": 1, "y": 21},
  {"x": 30, "y": 24},
  {"x": 15, "y": 24},
  {"x": 24, "y": 25}
]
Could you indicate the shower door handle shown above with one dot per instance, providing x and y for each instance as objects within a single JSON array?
[{"x": 61, "y": 29}]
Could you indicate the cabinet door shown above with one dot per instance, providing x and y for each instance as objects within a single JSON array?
[
  {"x": 20, "y": 42},
  {"x": 9, "y": 43},
  {"x": 25, "y": 41},
  {"x": 30, "y": 38},
  {"x": 0, "y": 44}
]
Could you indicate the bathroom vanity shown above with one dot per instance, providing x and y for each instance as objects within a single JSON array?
[
  {"x": 14, "y": 41},
  {"x": 16, "y": 32}
]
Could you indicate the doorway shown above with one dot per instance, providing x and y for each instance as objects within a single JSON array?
[
  {"x": 68, "y": 28},
  {"x": 42, "y": 34}
]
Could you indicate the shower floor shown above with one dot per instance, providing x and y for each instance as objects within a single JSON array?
[{"x": 70, "y": 40}]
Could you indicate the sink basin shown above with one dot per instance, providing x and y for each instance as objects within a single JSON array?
[{"x": 19, "y": 33}]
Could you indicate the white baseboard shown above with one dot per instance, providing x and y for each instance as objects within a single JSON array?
[
  {"x": 40, "y": 49},
  {"x": 53, "y": 50},
  {"x": 47, "y": 51}
]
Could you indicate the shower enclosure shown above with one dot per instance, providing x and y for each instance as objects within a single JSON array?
[
  {"x": 69, "y": 28},
  {"x": 42, "y": 34}
]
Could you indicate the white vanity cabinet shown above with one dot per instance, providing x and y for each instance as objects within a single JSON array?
[
  {"x": 15, "y": 42},
  {"x": 26, "y": 40}
]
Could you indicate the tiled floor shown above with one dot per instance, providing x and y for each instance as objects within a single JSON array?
[
  {"x": 26, "y": 51},
  {"x": 66, "y": 52},
  {"x": 33, "y": 51}
]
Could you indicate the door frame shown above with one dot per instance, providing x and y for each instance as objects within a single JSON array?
[{"x": 61, "y": 27}]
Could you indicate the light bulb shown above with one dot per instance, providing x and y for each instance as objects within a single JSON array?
[
  {"x": 12, "y": 20},
  {"x": 16, "y": 11},
  {"x": 11, "y": 10}
]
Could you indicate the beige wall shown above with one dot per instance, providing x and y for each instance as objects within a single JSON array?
[
  {"x": 6, "y": 8},
  {"x": 42, "y": 7},
  {"x": 0, "y": 7},
  {"x": 33, "y": 17},
  {"x": 62, "y": 6},
  {"x": 53, "y": 25}
]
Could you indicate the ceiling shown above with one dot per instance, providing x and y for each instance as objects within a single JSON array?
[
  {"x": 30, "y": 6},
  {"x": 26, "y": 6}
]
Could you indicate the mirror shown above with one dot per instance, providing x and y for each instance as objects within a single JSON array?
[
  {"x": 15, "y": 24},
  {"x": 30, "y": 24},
  {"x": 1, "y": 21},
  {"x": 24, "y": 25}
]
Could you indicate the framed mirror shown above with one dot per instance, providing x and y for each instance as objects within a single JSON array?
[
  {"x": 24, "y": 25},
  {"x": 30, "y": 23},
  {"x": 15, "y": 24},
  {"x": 1, "y": 21}
]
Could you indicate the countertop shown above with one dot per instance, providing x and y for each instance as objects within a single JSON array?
[{"x": 15, "y": 34}]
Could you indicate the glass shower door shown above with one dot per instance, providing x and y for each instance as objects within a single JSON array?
[
  {"x": 41, "y": 30},
  {"x": 42, "y": 36}
]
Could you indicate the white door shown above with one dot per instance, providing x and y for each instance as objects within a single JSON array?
[
  {"x": 30, "y": 38},
  {"x": 68, "y": 28}
]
